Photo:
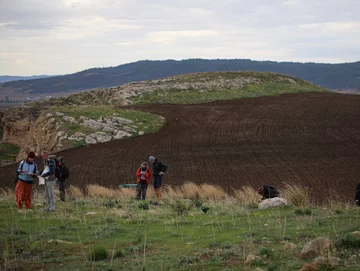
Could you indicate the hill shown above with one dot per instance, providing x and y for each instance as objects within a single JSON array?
[
  {"x": 331, "y": 76},
  {"x": 8, "y": 78}
]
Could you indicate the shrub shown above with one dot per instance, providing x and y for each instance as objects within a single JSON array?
[
  {"x": 299, "y": 196},
  {"x": 144, "y": 205},
  {"x": 99, "y": 253},
  {"x": 180, "y": 207},
  {"x": 348, "y": 241},
  {"x": 266, "y": 252}
]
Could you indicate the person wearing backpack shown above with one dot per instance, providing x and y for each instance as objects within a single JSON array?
[
  {"x": 268, "y": 191},
  {"x": 143, "y": 173},
  {"x": 61, "y": 174},
  {"x": 357, "y": 194},
  {"x": 49, "y": 174},
  {"x": 25, "y": 175}
]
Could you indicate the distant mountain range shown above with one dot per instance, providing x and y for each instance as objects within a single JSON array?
[
  {"x": 331, "y": 76},
  {"x": 9, "y": 78}
]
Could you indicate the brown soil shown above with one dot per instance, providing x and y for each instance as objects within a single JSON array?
[{"x": 311, "y": 139}]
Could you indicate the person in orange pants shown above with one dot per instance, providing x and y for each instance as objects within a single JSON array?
[{"x": 26, "y": 173}]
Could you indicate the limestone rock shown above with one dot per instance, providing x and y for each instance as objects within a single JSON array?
[
  {"x": 121, "y": 120},
  {"x": 272, "y": 202},
  {"x": 316, "y": 247},
  {"x": 59, "y": 114},
  {"x": 70, "y": 119},
  {"x": 90, "y": 140},
  {"x": 121, "y": 134},
  {"x": 49, "y": 115},
  {"x": 93, "y": 124}
]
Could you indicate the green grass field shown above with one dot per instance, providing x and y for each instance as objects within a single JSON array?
[{"x": 118, "y": 233}]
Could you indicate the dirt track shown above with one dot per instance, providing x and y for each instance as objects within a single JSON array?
[{"x": 312, "y": 139}]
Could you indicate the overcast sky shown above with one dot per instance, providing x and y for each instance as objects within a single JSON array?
[{"x": 66, "y": 36}]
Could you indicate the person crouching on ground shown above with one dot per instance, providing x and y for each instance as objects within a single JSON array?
[
  {"x": 268, "y": 191},
  {"x": 49, "y": 174},
  {"x": 26, "y": 173},
  {"x": 158, "y": 173},
  {"x": 357, "y": 195},
  {"x": 143, "y": 173}
]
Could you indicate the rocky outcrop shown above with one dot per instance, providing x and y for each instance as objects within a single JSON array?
[{"x": 273, "y": 202}]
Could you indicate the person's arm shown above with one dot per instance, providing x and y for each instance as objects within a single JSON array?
[
  {"x": 138, "y": 172},
  {"x": 163, "y": 169}
]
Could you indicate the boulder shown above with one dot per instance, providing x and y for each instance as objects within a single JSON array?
[
  {"x": 59, "y": 114},
  {"x": 250, "y": 258},
  {"x": 121, "y": 120},
  {"x": 309, "y": 267},
  {"x": 49, "y": 115},
  {"x": 121, "y": 134},
  {"x": 70, "y": 119},
  {"x": 79, "y": 134},
  {"x": 90, "y": 140},
  {"x": 140, "y": 133},
  {"x": 93, "y": 124},
  {"x": 103, "y": 138},
  {"x": 273, "y": 202},
  {"x": 108, "y": 129},
  {"x": 316, "y": 247}
]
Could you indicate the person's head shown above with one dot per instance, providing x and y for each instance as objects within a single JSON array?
[
  {"x": 31, "y": 156},
  {"x": 152, "y": 159},
  {"x": 143, "y": 165},
  {"x": 45, "y": 155},
  {"x": 261, "y": 190}
]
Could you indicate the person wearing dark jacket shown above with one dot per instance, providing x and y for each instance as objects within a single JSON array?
[
  {"x": 357, "y": 195},
  {"x": 61, "y": 174},
  {"x": 158, "y": 173},
  {"x": 268, "y": 191}
]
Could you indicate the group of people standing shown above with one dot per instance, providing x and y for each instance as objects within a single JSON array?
[
  {"x": 54, "y": 170},
  {"x": 143, "y": 175}
]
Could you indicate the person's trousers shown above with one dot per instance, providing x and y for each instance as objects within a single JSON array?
[
  {"x": 141, "y": 191},
  {"x": 62, "y": 190},
  {"x": 23, "y": 193},
  {"x": 49, "y": 195}
]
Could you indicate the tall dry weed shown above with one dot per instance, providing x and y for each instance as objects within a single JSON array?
[
  {"x": 212, "y": 192},
  {"x": 191, "y": 191},
  {"x": 299, "y": 196},
  {"x": 247, "y": 195},
  {"x": 74, "y": 192}
]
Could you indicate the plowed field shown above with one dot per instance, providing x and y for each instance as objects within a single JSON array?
[{"x": 312, "y": 139}]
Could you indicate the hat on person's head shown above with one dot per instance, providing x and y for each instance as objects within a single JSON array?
[
  {"x": 151, "y": 159},
  {"x": 144, "y": 164},
  {"x": 31, "y": 155},
  {"x": 261, "y": 190}
]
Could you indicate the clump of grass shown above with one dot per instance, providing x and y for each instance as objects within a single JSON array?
[
  {"x": 267, "y": 252},
  {"x": 119, "y": 253},
  {"x": 212, "y": 192},
  {"x": 98, "y": 253},
  {"x": 144, "y": 205},
  {"x": 191, "y": 190},
  {"x": 348, "y": 241},
  {"x": 298, "y": 196},
  {"x": 247, "y": 195},
  {"x": 74, "y": 192},
  {"x": 180, "y": 207}
]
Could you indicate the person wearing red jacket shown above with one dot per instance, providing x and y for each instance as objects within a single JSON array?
[{"x": 143, "y": 173}]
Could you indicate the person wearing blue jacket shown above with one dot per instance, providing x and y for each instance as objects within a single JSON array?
[
  {"x": 49, "y": 175},
  {"x": 26, "y": 173}
]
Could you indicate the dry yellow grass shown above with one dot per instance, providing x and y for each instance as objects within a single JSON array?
[
  {"x": 247, "y": 195},
  {"x": 297, "y": 195},
  {"x": 74, "y": 192},
  {"x": 212, "y": 192},
  {"x": 191, "y": 191},
  {"x": 6, "y": 193}
]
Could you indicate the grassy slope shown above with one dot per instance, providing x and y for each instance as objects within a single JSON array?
[
  {"x": 218, "y": 240},
  {"x": 270, "y": 84}
]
